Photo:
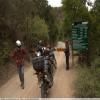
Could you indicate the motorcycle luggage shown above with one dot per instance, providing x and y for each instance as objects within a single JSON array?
[{"x": 38, "y": 63}]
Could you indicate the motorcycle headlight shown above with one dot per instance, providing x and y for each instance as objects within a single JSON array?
[
  {"x": 38, "y": 54},
  {"x": 44, "y": 48}
]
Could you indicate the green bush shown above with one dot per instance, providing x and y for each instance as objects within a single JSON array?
[
  {"x": 38, "y": 30},
  {"x": 5, "y": 50},
  {"x": 96, "y": 62},
  {"x": 88, "y": 83}
]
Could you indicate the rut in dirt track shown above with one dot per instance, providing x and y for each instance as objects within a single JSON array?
[{"x": 63, "y": 82}]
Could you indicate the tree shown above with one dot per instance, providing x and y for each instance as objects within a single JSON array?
[
  {"x": 50, "y": 19},
  {"x": 59, "y": 22},
  {"x": 40, "y": 28},
  {"x": 37, "y": 31},
  {"x": 74, "y": 11},
  {"x": 94, "y": 29}
]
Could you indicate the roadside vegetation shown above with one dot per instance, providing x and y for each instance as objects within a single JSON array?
[
  {"x": 87, "y": 84},
  {"x": 88, "y": 81}
]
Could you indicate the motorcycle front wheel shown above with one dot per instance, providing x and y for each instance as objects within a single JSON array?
[{"x": 43, "y": 90}]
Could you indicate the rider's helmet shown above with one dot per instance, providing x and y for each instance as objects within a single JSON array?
[
  {"x": 41, "y": 43},
  {"x": 18, "y": 43}
]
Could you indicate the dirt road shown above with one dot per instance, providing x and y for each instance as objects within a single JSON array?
[{"x": 63, "y": 82}]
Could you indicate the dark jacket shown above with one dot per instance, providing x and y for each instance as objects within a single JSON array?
[{"x": 67, "y": 52}]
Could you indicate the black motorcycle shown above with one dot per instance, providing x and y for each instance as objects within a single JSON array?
[
  {"x": 44, "y": 71},
  {"x": 52, "y": 58}
]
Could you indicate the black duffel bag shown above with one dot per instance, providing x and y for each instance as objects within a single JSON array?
[{"x": 38, "y": 63}]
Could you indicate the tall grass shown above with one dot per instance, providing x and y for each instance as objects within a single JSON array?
[{"x": 88, "y": 82}]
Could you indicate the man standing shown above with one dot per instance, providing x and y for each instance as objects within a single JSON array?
[
  {"x": 67, "y": 53},
  {"x": 19, "y": 55}
]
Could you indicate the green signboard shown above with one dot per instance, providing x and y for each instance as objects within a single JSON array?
[{"x": 80, "y": 36}]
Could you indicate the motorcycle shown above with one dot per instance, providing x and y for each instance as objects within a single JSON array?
[
  {"x": 53, "y": 59},
  {"x": 42, "y": 65}
]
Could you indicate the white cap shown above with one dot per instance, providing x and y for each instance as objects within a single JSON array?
[{"x": 18, "y": 43}]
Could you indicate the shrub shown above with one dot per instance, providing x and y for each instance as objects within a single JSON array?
[
  {"x": 4, "y": 52},
  {"x": 88, "y": 83}
]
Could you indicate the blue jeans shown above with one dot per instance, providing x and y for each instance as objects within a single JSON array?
[{"x": 21, "y": 73}]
